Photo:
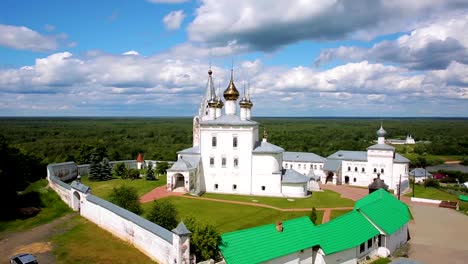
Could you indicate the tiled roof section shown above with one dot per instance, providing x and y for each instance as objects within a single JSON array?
[
  {"x": 80, "y": 187},
  {"x": 185, "y": 163},
  {"x": 140, "y": 221},
  {"x": 332, "y": 165},
  {"x": 382, "y": 147},
  {"x": 263, "y": 243},
  {"x": 400, "y": 159},
  {"x": 266, "y": 147},
  {"x": 384, "y": 210},
  {"x": 302, "y": 157},
  {"x": 349, "y": 155},
  {"x": 292, "y": 176},
  {"x": 345, "y": 232},
  {"x": 420, "y": 172},
  {"x": 181, "y": 229},
  {"x": 232, "y": 120},
  {"x": 140, "y": 158},
  {"x": 192, "y": 150}
]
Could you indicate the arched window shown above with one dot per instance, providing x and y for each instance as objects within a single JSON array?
[
  {"x": 355, "y": 169},
  {"x": 213, "y": 141},
  {"x": 236, "y": 162},
  {"x": 212, "y": 162},
  {"x": 354, "y": 179},
  {"x": 234, "y": 187},
  {"x": 234, "y": 142},
  {"x": 349, "y": 168},
  {"x": 382, "y": 170},
  {"x": 298, "y": 166},
  {"x": 375, "y": 170},
  {"x": 363, "y": 169}
]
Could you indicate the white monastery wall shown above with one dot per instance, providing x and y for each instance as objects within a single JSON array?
[
  {"x": 151, "y": 239},
  {"x": 354, "y": 171},
  {"x": 294, "y": 190},
  {"x": 267, "y": 180}
]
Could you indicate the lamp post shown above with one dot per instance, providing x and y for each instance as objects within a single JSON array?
[{"x": 399, "y": 188}]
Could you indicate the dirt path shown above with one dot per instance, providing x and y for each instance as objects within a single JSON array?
[{"x": 35, "y": 241}]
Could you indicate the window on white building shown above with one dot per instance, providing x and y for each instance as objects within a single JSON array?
[
  {"x": 349, "y": 168},
  {"x": 213, "y": 142},
  {"x": 362, "y": 247},
  {"x": 236, "y": 162},
  {"x": 223, "y": 162},
  {"x": 355, "y": 169},
  {"x": 315, "y": 167},
  {"x": 320, "y": 166},
  {"x": 212, "y": 162},
  {"x": 290, "y": 166},
  {"x": 354, "y": 179},
  {"x": 369, "y": 243},
  {"x": 263, "y": 188},
  {"x": 363, "y": 169},
  {"x": 234, "y": 187},
  {"x": 234, "y": 142},
  {"x": 375, "y": 170},
  {"x": 216, "y": 186},
  {"x": 299, "y": 166},
  {"x": 382, "y": 170}
]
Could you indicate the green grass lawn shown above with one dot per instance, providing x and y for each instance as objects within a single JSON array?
[
  {"x": 103, "y": 188},
  {"x": 436, "y": 194},
  {"x": 84, "y": 242},
  {"x": 338, "y": 213},
  {"x": 229, "y": 217},
  {"x": 52, "y": 208},
  {"x": 325, "y": 199}
]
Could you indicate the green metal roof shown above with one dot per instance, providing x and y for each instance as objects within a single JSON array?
[
  {"x": 344, "y": 232},
  {"x": 263, "y": 243},
  {"x": 384, "y": 210}
]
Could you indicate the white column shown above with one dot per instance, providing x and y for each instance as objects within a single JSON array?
[
  {"x": 243, "y": 113},
  {"x": 230, "y": 107}
]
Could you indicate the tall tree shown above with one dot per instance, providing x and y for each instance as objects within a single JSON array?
[
  {"x": 164, "y": 214},
  {"x": 150, "y": 172},
  {"x": 127, "y": 198}
]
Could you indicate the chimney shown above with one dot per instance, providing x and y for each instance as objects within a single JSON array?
[{"x": 279, "y": 226}]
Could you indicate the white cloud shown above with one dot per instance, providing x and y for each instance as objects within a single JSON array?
[
  {"x": 105, "y": 82},
  {"x": 433, "y": 46},
  {"x": 23, "y": 38},
  {"x": 131, "y": 52},
  {"x": 173, "y": 20},
  {"x": 265, "y": 26}
]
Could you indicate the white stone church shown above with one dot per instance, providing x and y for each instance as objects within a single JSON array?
[{"x": 228, "y": 157}]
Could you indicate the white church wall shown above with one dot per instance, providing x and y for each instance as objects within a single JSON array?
[
  {"x": 356, "y": 176},
  {"x": 381, "y": 160},
  {"x": 267, "y": 180},
  {"x": 294, "y": 189},
  {"x": 227, "y": 178}
]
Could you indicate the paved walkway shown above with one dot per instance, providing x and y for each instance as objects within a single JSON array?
[{"x": 157, "y": 193}]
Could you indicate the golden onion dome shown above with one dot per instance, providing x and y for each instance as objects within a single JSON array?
[
  {"x": 244, "y": 103},
  {"x": 212, "y": 102},
  {"x": 219, "y": 103},
  {"x": 231, "y": 92}
]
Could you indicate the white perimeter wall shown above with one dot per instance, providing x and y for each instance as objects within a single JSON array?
[{"x": 148, "y": 242}]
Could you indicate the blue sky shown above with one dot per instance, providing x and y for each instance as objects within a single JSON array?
[{"x": 301, "y": 58}]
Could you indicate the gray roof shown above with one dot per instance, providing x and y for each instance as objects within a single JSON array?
[
  {"x": 192, "y": 150},
  {"x": 420, "y": 172},
  {"x": 266, "y": 147},
  {"x": 377, "y": 184},
  {"x": 140, "y": 221},
  {"x": 181, "y": 229},
  {"x": 349, "y": 155},
  {"x": 400, "y": 159},
  {"x": 292, "y": 176},
  {"x": 232, "y": 120},
  {"x": 382, "y": 147},
  {"x": 80, "y": 187},
  {"x": 332, "y": 165},
  {"x": 302, "y": 157},
  {"x": 185, "y": 163}
]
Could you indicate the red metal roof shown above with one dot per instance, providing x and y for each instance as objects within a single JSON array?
[{"x": 140, "y": 158}]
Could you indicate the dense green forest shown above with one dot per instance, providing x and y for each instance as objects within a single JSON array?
[{"x": 67, "y": 139}]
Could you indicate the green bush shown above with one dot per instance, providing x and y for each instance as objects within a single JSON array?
[
  {"x": 204, "y": 240},
  {"x": 163, "y": 213},
  {"x": 127, "y": 198},
  {"x": 133, "y": 174},
  {"x": 431, "y": 183},
  {"x": 120, "y": 170}
]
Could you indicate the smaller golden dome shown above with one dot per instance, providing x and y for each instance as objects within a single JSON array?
[
  {"x": 244, "y": 103},
  {"x": 231, "y": 92},
  {"x": 219, "y": 103}
]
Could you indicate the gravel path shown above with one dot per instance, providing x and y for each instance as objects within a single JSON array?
[{"x": 35, "y": 241}]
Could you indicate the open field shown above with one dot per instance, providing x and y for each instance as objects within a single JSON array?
[
  {"x": 84, "y": 242},
  {"x": 104, "y": 188},
  {"x": 325, "y": 199},
  {"x": 229, "y": 217}
]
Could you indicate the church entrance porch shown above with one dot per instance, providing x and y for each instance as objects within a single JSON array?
[{"x": 179, "y": 183}]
